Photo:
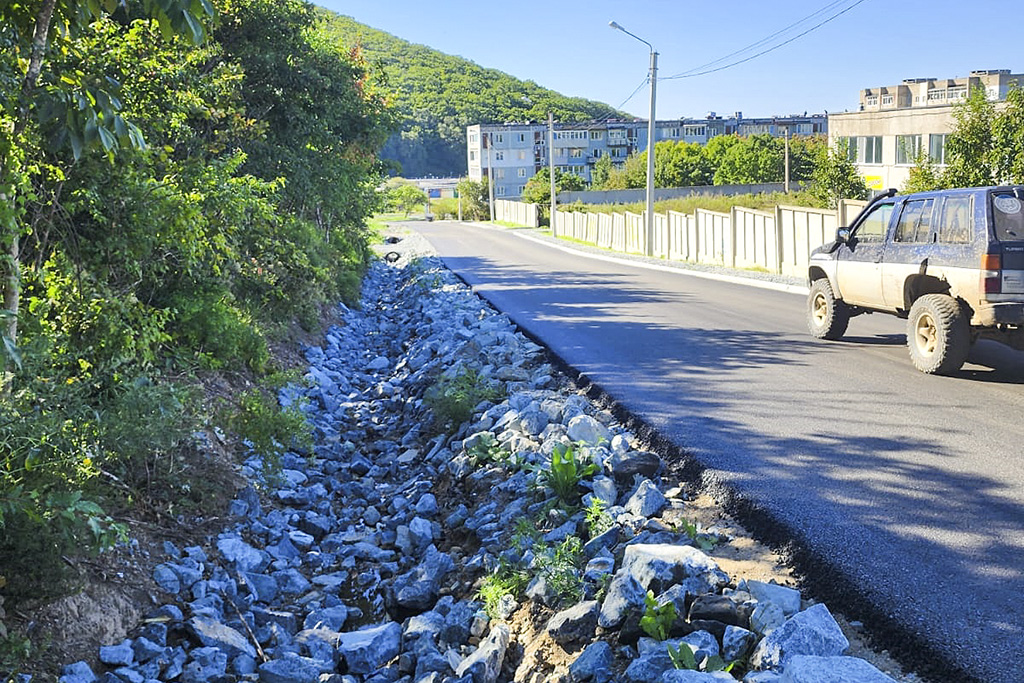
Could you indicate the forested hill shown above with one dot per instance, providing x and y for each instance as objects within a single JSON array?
[{"x": 438, "y": 95}]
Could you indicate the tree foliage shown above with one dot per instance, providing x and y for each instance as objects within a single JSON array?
[
  {"x": 724, "y": 160},
  {"x": 438, "y": 96},
  {"x": 187, "y": 200},
  {"x": 984, "y": 147},
  {"x": 404, "y": 196},
  {"x": 538, "y": 188},
  {"x": 836, "y": 177}
]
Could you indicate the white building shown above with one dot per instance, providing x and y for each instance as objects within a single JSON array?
[{"x": 897, "y": 123}]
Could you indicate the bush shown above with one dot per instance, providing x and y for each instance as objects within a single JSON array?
[
  {"x": 453, "y": 398},
  {"x": 269, "y": 429},
  {"x": 445, "y": 209}
]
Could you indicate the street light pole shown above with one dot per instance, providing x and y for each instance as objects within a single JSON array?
[{"x": 649, "y": 236}]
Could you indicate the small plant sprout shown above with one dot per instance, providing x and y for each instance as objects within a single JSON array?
[
  {"x": 598, "y": 521},
  {"x": 657, "y": 619},
  {"x": 565, "y": 473}
]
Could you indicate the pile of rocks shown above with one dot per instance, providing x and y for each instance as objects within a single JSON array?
[{"x": 361, "y": 562}]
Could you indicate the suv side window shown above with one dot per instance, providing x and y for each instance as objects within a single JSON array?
[
  {"x": 873, "y": 227},
  {"x": 915, "y": 221},
  {"x": 955, "y": 219}
]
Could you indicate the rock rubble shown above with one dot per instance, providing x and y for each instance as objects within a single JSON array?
[{"x": 389, "y": 554}]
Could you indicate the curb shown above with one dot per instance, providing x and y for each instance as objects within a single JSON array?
[{"x": 639, "y": 263}]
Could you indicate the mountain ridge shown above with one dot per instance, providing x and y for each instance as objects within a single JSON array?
[{"x": 437, "y": 95}]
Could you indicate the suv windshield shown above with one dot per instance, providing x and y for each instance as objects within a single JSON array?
[{"x": 1009, "y": 216}]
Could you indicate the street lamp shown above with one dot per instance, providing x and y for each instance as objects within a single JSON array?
[{"x": 649, "y": 237}]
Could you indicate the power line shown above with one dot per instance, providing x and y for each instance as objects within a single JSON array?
[
  {"x": 765, "y": 39},
  {"x": 694, "y": 72}
]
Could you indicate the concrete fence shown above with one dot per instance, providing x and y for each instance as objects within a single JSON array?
[
  {"x": 519, "y": 213},
  {"x": 778, "y": 240}
]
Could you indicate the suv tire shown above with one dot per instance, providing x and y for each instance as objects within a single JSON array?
[
  {"x": 827, "y": 317},
  {"x": 938, "y": 334}
]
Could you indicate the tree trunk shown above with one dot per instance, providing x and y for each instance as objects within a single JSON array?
[{"x": 11, "y": 281}]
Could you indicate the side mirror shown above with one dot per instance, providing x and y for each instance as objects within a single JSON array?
[{"x": 843, "y": 235}]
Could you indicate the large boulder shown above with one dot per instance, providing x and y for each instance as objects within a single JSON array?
[
  {"x": 658, "y": 566},
  {"x": 368, "y": 650},
  {"x": 811, "y": 632}
]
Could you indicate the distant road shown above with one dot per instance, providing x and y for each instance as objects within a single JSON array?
[{"x": 912, "y": 485}]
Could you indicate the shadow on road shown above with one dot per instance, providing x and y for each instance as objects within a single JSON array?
[{"x": 908, "y": 518}]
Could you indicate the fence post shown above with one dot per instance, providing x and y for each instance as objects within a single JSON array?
[{"x": 779, "y": 240}]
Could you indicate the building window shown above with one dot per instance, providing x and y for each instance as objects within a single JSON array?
[
  {"x": 616, "y": 135},
  {"x": 522, "y": 154},
  {"x": 871, "y": 100},
  {"x": 522, "y": 173},
  {"x": 887, "y": 100},
  {"x": 472, "y": 139},
  {"x": 937, "y": 148},
  {"x": 936, "y": 95},
  {"x": 500, "y": 190},
  {"x": 957, "y": 93},
  {"x": 499, "y": 173},
  {"x": 499, "y": 156},
  {"x": 597, "y": 153},
  {"x": 597, "y": 135},
  {"x": 908, "y": 148},
  {"x": 521, "y": 189},
  {"x": 864, "y": 149},
  {"x": 522, "y": 137},
  {"x": 576, "y": 152},
  {"x": 472, "y": 155},
  {"x": 499, "y": 137}
]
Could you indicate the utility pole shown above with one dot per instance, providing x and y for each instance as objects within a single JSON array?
[
  {"x": 490, "y": 175},
  {"x": 649, "y": 248},
  {"x": 551, "y": 172},
  {"x": 787, "y": 160}
]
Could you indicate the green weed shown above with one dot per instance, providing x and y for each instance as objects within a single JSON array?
[
  {"x": 598, "y": 521},
  {"x": 657, "y": 619},
  {"x": 562, "y": 566},
  {"x": 506, "y": 580},
  {"x": 453, "y": 398},
  {"x": 565, "y": 473}
]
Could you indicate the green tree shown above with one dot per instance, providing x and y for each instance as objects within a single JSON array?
[
  {"x": 76, "y": 112},
  {"x": 717, "y": 147},
  {"x": 680, "y": 164},
  {"x": 754, "y": 159},
  {"x": 538, "y": 188},
  {"x": 601, "y": 172},
  {"x": 406, "y": 197},
  {"x": 475, "y": 199},
  {"x": 836, "y": 177},
  {"x": 804, "y": 153},
  {"x": 924, "y": 175},
  {"x": 1008, "y": 139},
  {"x": 969, "y": 146}
]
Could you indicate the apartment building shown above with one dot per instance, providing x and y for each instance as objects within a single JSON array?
[
  {"x": 895, "y": 124},
  {"x": 514, "y": 152}
]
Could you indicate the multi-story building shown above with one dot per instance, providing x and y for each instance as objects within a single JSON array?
[
  {"x": 514, "y": 152},
  {"x": 896, "y": 124}
]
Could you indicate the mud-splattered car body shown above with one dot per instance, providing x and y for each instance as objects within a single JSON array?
[{"x": 950, "y": 261}]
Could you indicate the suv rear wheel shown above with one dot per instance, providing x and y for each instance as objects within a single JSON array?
[
  {"x": 827, "y": 317},
  {"x": 938, "y": 334}
]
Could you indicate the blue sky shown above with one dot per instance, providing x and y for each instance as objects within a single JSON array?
[{"x": 567, "y": 45}]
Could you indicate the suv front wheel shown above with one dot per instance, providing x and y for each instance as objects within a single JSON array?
[
  {"x": 827, "y": 317},
  {"x": 938, "y": 334}
]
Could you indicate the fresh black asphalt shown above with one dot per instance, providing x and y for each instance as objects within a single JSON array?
[{"x": 908, "y": 487}]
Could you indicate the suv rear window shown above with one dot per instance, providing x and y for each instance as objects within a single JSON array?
[{"x": 1008, "y": 216}]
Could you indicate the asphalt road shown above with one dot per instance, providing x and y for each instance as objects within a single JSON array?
[{"x": 910, "y": 485}]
